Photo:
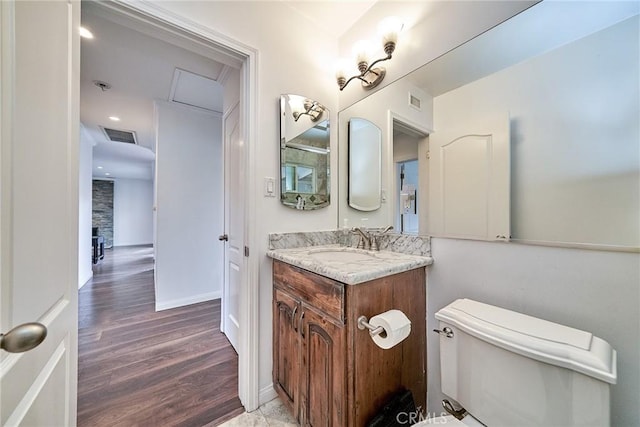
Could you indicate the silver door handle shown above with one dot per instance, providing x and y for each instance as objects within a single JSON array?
[
  {"x": 223, "y": 237},
  {"x": 23, "y": 337}
]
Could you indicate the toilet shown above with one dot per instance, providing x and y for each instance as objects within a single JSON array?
[{"x": 509, "y": 369}]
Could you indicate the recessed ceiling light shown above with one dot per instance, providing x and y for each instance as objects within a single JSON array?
[
  {"x": 107, "y": 173},
  {"x": 99, "y": 167},
  {"x": 114, "y": 118},
  {"x": 85, "y": 33}
]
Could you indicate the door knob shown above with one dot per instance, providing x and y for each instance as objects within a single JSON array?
[
  {"x": 23, "y": 337},
  {"x": 223, "y": 237}
]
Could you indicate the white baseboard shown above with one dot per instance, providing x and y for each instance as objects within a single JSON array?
[
  {"x": 267, "y": 394},
  {"x": 180, "y": 302},
  {"x": 85, "y": 281}
]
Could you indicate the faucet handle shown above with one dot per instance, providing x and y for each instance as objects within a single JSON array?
[{"x": 374, "y": 243}]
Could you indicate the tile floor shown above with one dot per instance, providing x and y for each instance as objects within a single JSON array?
[{"x": 271, "y": 414}]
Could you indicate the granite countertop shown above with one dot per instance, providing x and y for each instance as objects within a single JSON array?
[{"x": 349, "y": 265}]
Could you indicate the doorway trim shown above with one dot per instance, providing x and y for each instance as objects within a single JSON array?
[
  {"x": 409, "y": 126},
  {"x": 248, "y": 355}
]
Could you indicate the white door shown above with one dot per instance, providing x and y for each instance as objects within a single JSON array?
[
  {"x": 233, "y": 224},
  {"x": 469, "y": 189},
  {"x": 39, "y": 85}
]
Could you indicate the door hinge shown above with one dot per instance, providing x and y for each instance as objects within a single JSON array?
[
  {"x": 246, "y": 251},
  {"x": 428, "y": 154}
]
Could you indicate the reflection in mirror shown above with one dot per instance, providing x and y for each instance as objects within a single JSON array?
[
  {"x": 365, "y": 145},
  {"x": 572, "y": 94},
  {"x": 304, "y": 153}
]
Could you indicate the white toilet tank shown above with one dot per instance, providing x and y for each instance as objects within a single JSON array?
[{"x": 509, "y": 369}]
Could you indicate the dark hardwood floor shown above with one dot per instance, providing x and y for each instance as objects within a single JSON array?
[{"x": 138, "y": 367}]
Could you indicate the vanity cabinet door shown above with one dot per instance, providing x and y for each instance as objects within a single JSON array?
[
  {"x": 286, "y": 348},
  {"x": 324, "y": 371}
]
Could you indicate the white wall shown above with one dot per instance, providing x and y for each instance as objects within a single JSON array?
[
  {"x": 132, "y": 212},
  {"x": 189, "y": 201},
  {"x": 575, "y": 131},
  {"x": 595, "y": 291},
  {"x": 85, "y": 156}
]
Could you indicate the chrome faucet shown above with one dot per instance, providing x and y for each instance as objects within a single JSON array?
[
  {"x": 368, "y": 241},
  {"x": 365, "y": 239},
  {"x": 374, "y": 237}
]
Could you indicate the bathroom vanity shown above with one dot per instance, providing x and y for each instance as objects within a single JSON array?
[{"x": 326, "y": 370}]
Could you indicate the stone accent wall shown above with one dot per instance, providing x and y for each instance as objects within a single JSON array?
[{"x": 102, "y": 216}]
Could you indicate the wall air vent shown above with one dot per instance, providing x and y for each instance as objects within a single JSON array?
[{"x": 116, "y": 135}]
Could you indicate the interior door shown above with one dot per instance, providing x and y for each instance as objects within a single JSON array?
[
  {"x": 233, "y": 224},
  {"x": 39, "y": 120},
  {"x": 469, "y": 171}
]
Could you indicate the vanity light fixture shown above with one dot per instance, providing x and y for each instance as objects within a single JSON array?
[
  {"x": 307, "y": 108},
  {"x": 371, "y": 76}
]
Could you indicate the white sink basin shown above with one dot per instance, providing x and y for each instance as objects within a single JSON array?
[{"x": 341, "y": 255}]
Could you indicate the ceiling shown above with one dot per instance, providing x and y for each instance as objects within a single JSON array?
[
  {"x": 141, "y": 68},
  {"x": 334, "y": 17}
]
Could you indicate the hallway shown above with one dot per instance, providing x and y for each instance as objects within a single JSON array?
[{"x": 139, "y": 367}]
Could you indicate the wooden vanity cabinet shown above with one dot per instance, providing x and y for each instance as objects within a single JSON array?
[
  {"x": 309, "y": 345},
  {"x": 326, "y": 370}
]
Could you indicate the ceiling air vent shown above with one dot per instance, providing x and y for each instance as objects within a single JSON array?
[{"x": 120, "y": 135}]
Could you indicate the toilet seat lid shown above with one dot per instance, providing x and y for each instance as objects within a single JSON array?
[{"x": 533, "y": 338}]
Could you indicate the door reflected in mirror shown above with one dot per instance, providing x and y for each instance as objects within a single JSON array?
[
  {"x": 364, "y": 174},
  {"x": 304, "y": 153}
]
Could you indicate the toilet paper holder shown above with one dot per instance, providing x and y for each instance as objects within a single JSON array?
[{"x": 363, "y": 323}]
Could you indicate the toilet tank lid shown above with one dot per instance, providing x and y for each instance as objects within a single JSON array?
[{"x": 532, "y": 337}]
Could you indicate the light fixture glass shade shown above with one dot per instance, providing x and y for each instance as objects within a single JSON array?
[
  {"x": 389, "y": 28},
  {"x": 362, "y": 51},
  {"x": 341, "y": 67},
  {"x": 296, "y": 103},
  {"x": 85, "y": 33}
]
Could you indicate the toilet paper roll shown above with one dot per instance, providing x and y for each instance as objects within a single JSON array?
[{"x": 396, "y": 326}]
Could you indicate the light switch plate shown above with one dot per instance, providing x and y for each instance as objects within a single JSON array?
[{"x": 269, "y": 187}]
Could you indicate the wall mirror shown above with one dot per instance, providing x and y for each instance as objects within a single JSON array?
[
  {"x": 572, "y": 100},
  {"x": 304, "y": 153},
  {"x": 365, "y": 144}
]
